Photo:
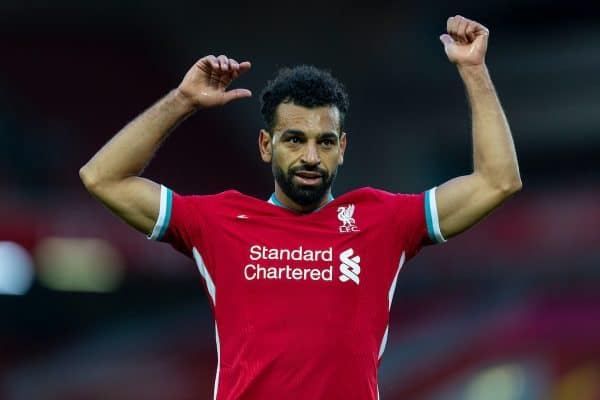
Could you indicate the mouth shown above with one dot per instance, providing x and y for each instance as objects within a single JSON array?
[{"x": 308, "y": 178}]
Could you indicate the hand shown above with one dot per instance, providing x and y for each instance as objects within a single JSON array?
[
  {"x": 205, "y": 84},
  {"x": 466, "y": 41}
]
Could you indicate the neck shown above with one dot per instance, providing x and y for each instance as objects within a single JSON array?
[{"x": 287, "y": 202}]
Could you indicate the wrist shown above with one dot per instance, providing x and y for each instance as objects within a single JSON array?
[
  {"x": 182, "y": 102},
  {"x": 475, "y": 76},
  {"x": 474, "y": 70}
]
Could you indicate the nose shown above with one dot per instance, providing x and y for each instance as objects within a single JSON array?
[{"x": 311, "y": 154}]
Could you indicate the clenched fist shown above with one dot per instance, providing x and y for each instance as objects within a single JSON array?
[
  {"x": 205, "y": 84},
  {"x": 466, "y": 41}
]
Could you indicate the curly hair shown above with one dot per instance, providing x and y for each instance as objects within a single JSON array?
[{"x": 306, "y": 86}]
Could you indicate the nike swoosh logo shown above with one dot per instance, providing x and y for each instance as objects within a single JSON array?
[{"x": 242, "y": 216}]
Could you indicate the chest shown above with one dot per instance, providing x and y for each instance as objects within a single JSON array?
[{"x": 343, "y": 262}]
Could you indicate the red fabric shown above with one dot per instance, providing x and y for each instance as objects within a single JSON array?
[{"x": 316, "y": 337}]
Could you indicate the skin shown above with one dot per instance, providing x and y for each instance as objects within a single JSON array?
[
  {"x": 308, "y": 139},
  {"x": 465, "y": 200},
  {"x": 113, "y": 174}
]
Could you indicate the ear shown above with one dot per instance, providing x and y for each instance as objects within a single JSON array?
[
  {"x": 342, "y": 148},
  {"x": 265, "y": 146}
]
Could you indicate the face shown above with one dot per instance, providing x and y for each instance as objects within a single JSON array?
[{"x": 305, "y": 149}]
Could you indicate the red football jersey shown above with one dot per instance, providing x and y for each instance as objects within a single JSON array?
[{"x": 301, "y": 301}]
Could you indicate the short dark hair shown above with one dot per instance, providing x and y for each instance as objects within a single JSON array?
[{"x": 306, "y": 86}]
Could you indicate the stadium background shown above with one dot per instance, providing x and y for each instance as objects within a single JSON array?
[{"x": 508, "y": 311}]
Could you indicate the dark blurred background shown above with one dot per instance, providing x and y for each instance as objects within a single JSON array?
[{"x": 90, "y": 309}]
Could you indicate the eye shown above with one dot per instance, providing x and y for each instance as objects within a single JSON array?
[
  {"x": 328, "y": 142},
  {"x": 294, "y": 140}
]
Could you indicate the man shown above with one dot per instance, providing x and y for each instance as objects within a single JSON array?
[{"x": 301, "y": 285}]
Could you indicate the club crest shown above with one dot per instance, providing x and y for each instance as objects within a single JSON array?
[{"x": 346, "y": 216}]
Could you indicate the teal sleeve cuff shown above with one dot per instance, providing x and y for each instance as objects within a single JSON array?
[
  {"x": 164, "y": 215},
  {"x": 431, "y": 217}
]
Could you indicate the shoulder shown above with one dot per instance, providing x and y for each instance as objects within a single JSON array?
[
  {"x": 228, "y": 196},
  {"x": 382, "y": 202},
  {"x": 225, "y": 194},
  {"x": 370, "y": 194},
  {"x": 229, "y": 199}
]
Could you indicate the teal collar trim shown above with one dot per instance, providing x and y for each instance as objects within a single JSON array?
[{"x": 273, "y": 200}]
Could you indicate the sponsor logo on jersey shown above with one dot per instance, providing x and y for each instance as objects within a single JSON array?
[
  {"x": 345, "y": 215},
  {"x": 298, "y": 254},
  {"x": 300, "y": 264},
  {"x": 349, "y": 267},
  {"x": 255, "y": 272}
]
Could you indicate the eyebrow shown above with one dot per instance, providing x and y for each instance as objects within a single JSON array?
[{"x": 297, "y": 132}]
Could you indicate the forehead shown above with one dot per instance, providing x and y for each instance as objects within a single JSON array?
[{"x": 317, "y": 119}]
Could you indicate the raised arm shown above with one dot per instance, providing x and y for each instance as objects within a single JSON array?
[
  {"x": 463, "y": 201},
  {"x": 113, "y": 174}
]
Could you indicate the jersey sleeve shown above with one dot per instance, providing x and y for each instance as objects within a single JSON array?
[
  {"x": 182, "y": 222},
  {"x": 418, "y": 220},
  {"x": 178, "y": 221}
]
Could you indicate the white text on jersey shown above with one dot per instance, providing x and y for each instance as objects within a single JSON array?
[
  {"x": 298, "y": 254},
  {"x": 256, "y": 272},
  {"x": 264, "y": 264}
]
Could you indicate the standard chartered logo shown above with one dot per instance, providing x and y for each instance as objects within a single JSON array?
[
  {"x": 306, "y": 264},
  {"x": 349, "y": 266}
]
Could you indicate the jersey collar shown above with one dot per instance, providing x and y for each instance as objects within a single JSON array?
[{"x": 273, "y": 200}]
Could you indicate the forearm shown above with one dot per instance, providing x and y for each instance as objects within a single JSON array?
[
  {"x": 494, "y": 156},
  {"x": 465, "y": 200},
  {"x": 113, "y": 174},
  {"x": 132, "y": 148}
]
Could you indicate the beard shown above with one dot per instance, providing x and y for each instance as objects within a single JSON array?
[{"x": 303, "y": 195}]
